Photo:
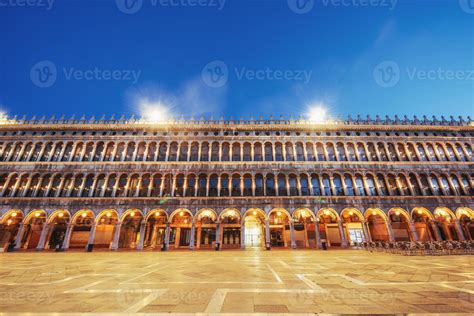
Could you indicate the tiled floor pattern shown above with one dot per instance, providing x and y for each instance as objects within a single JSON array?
[{"x": 338, "y": 281}]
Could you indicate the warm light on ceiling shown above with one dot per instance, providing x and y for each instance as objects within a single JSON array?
[
  {"x": 60, "y": 215},
  {"x": 181, "y": 213},
  {"x": 132, "y": 214},
  {"x": 108, "y": 214},
  {"x": 84, "y": 214},
  {"x": 397, "y": 213},
  {"x": 37, "y": 214},
  {"x": 254, "y": 213},
  {"x": 13, "y": 214}
]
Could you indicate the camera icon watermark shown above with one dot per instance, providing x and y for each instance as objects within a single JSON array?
[
  {"x": 44, "y": 74},
  {"x": 301, "y": 6},
  {"x": 467, "y": 6},
  {"x": 215, "y": 74},
  {"x": 387, "y": 74}
]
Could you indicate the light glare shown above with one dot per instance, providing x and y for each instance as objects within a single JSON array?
[
  {"x": 317, "y": 113},
  {"x": 153, "y": 112}
]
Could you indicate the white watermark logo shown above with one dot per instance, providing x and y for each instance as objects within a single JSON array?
[
  {"x": 388, "y": 74},
  {"x": 301, "y": 6},
  {"x": 44, "y": 74},
  {"x": 305, "y": 6},
  {"x": 216, "y": 74},
  {"x": 467, "y": 6},
  {"x": 133, "y": 6},
  {"x": 47, "y": 4}
]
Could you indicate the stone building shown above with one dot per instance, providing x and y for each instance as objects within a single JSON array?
[{"x": 205, "y": 184}]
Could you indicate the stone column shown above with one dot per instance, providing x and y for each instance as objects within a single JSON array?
[
  {"x": 191, "y": 240},
  {"x": 115, "y": 241},
  {"x": 141, "y": 239},
  {"x": 368, "y": 238},
  {"x": 391, "y": 236},
  {"x": 459, "y": 231},
  {"x": 292, "y": 234},
  {"x": 343, "y": 236},
  {"x": 19, "y": 236},
  {"x": 218, "y": 235},
  {"x": 67, "y": 236},
  {"x": 436, "y": 230},
  {"x": 242, "y": 234},
  {"x": 414, "y": 234},
  {"x": 319, "y": 245},
  {"x": 91, "y": 235},
  {"x": 167, "y": 236},
  {"x": 267, "y": 234},
  {"x": 42, "y": 240}
]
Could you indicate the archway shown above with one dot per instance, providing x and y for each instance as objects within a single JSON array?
[
  {"x": 328, "y": 226},
  {"x": 378, "y": 226},
  {"x": 206, "y": 229},
  {"x": 466, "y": 220},
  {"x": 422, "y": 219},
  {"x": 33, "y": 226},
  {"x": 180, "y": 234},
  {"x": 81, "y": 227},
  {"x": 280, "y": 231},
  {"x": 9, "y": 226},
  {"x": 57, "y": 228},
  {"x": 353, "y": 226},
  {"x": 253, "y": 228},
  {"x": 106, "y": 224},
  {"x": 305, "y": 227},
  {"x": 445, "y": 221},
  {"x": 400, "y": 221},
  {"x": 130, "y": 229},
  {"x": 155, "y": 229},
  {"x": 230, "y": 222}
]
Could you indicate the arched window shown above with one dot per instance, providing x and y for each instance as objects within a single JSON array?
[
  {"x": 247, "y": 152},
  {"x": 156, "y": 185},
  {"x": 414, "y": 184},
  {"x": 289, "y": 152},
  {"x": 421, "y": 151},
  {"x": 372, "y": 152},
  {"x": 16, "y": 152},
  {"x": 441, "y": 152},
  {"x": 167, "y": 185},
  {"x": 310, "y": 152},
  {"x": 76, "y": 187},
  {"x": 47, "y": 152},
  {"x": 425, "y": 185},
  {"x": 236, "y": 185},
  {"x": 215, "y": 151},
  {"x": 194, "y": 152},
  {"x": 299, "y": 152},
  {"x": 278, "y": 152},
  {"x": 109, "y": 189},
  {"x": 133, "y": 190},
  {"x": 293, "y": 185},
  {"x": 247, "y": 185},
  {"x": 436, "y": 186},
  {"x": 404, "y": 184},
  {"x": 225, "y": 152},
  {"x": 304, "y": 184},
  {"x": 205, "y": 151},
  {"x": 451, "y": 154},
  {"x": 202, "y": 183},
  {"x": 191, "y": 185},
  {"x": 45, "y": 184},
  {"x": 469, "y": 152},
  {"x": 361, "y": 151},
  {"x": 119, "y": 152},
  {"x": 401, "y": 152},
  {"x": 33, "y": 185},
  {"x": 349, "y": 185},
  {"x": 120, "y": 192},
  {"x": 331, "y": 152},
  {"x": 431, "y": 153},
  {"x": 8, "y": 148},
  {"x": 145, "y": 186},
  {"x": 183, "y": 153},
  {"x": 412, "y": 152},
  {"x": 446, "y": 186},
  {"x": 268, "y": 152},
  {"x": 88, "y": 185},
  {"x": 351, "y": 152},
  {"x": 327, "y": 185},
  {"x": 141, "y": 152},
  {"x": 179, "y": 185},
  {"x": 341, "y": 152},
  {"x": 392, "y": 182},
  {"x": 320, "y": 152},
  {"x": 173, "y": 155},
  {"x": 36, "y": 151},
  {"x": 382, "y": 184},
  {"x": 457, "y": 186},
  {"x": 225, "y": 185},
  {"x": 162, "y": 151},
  {"x": 392, "y": 152},
  {"x": 282, "y": 190},
  {"x": 108, "y": 152},
  {"x": 372, "y": 190},
  {"x": 257, "y": 150},
  {"x": 270, "y": 184},
  {"x": 213, "y": 185},
  {"x": 99, "y": 185},
  {"x": 360, "y": 184},
  {"x": 259, "y": 184},
  {"x": 22, "y": 185},
  {"x": 338, "y": 185},
  {"x": 461, "y": 152},
  {"x": 236, "y": 152},
  {"x": 466, "y": 183},
  {"x": 315, "y": 185}
]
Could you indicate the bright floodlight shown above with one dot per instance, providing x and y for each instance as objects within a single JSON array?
[
  {"x": 154, "y": 112},
  {"x": 317, "y": 114}
]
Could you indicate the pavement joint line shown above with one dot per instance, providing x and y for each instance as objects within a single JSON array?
[
  {"x": 140, "y": 276},
  {"x": 456, "y": 288},
  {"x": 310, "y": 283},
  {"x": 56, "y": 281},
  {"x": 275, "y": 274},
  {"x": 145, "y": 301}
]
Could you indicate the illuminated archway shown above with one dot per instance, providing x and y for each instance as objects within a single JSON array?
[
  {"x": 445, "y": 220},
  {"x": 131, "y": 225},
  {"x": 400, "y": 221},
  {"x": 9, "y": 227},
  {"x": 32, "y": 229},
  {"x": 424, "y": 226},
  {"x": 106, "y": 223},
  {"x": 305, "y": 226},
  {"x": 155, "y": 229},
  {"x": 57, "y": 228},
  {"x": 466, "y": 220},
  {"x": 181, "y": 224},
  {"x": 353, "y": 226},
  {"x": 206, "y": 229},
  {"x": 253, "y": 228},
  {"x": 82, "y": 222},
  {"x": 378, "y": 224},
  {"x": 280, "y": 231},
  {"x": 328, "y": 226},
  {"x": 230, "y": 221}
]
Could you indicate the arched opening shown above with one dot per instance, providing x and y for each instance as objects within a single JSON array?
[
  {"x": 57, "y": 223},
  {"x": 377, "y": 224},
  {"x": 328, "y": 227},
  {"x": 353, "y": 226},
  {"x": 155, "y": 229},
  {"x": 130, "y": 229},
  {"x": 423, "y": 225},
  {"x": 445, "y": 221},
  {"x": 253, "y": 227},
  {"x": 230, "y": 222},
  {"x": 466, "y": 220},
  {"x": 180, "y": 233},
  {"x": 279, "y": 222},
  {"x": 206, "y": 229},
  {"x": 304, "y": 226},
  {"x": 399, "y": 220},
  {"x": 33, "y": 226},
  {"x": 106, "y": 225},
  {"x": 81, "y": 226},
  {"x": 9, "y": 227}
]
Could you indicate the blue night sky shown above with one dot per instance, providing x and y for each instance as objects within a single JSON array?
[{"x": 411, "y": 57}]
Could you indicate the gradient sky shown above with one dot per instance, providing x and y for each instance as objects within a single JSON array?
[{"x": 341, "y": 47}]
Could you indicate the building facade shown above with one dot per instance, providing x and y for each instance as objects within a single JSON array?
[{"x": 217, "y": 184}]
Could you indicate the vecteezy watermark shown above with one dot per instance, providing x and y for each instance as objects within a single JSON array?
[
  {"x": 216, "y": 74},
  {"x": 44, "y": 74},
  {"x": 467, "y": 6},
  {"x": 387, "y": 74},
  {"x": 133, "y": 6},
  {"x": 300, "y": 6},
  {"x": 47, "y": 4}
]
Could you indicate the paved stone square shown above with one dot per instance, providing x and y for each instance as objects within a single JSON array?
[{"x": 337, "y": 281}]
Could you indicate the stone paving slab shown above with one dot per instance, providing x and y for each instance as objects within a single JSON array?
[{"x": 208, "y": 282}]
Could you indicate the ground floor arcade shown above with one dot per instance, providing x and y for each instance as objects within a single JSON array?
[{"x": 206, "y": 228}]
